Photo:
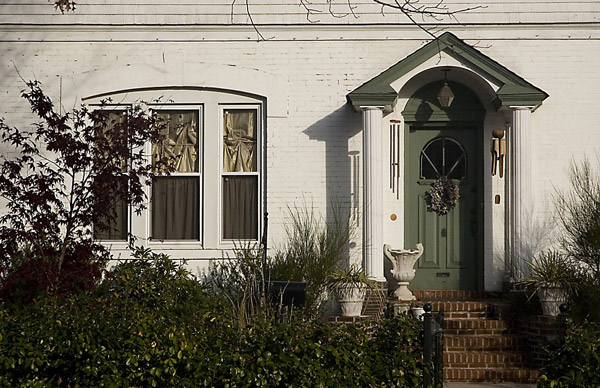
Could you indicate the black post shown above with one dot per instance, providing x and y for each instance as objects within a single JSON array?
[
  {"x": 264, "y": 236},
  {"x": 439, "y": 350},
  {"x": 563, "y": 308},
  {"x": 427, "y": 345},
  {"x": 266, "y": 277}
]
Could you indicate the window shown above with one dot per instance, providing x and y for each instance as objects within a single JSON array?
[
  {"x": 114, "y": 227},
  {"x": 240, "y": 175},
  {"x": 176, "y": 198},
  {"x": 443, "y": 157},
  {"x": 214, "y": 196}
]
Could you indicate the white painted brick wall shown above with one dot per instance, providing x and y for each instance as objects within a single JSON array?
[{"x": 309, "y": 148}]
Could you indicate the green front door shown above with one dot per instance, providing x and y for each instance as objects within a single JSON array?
[{"x": 452, "y": 242}]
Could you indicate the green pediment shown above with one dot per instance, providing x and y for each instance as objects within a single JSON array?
[{"x": 514, "y": 90}]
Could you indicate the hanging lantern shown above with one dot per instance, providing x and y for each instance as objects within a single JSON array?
[{"x": 445, "y": 95}]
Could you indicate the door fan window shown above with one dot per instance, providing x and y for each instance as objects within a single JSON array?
[{"x": 443, "y": 158}]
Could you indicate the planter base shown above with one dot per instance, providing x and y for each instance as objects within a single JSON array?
[{"x": 550, "y": 299}]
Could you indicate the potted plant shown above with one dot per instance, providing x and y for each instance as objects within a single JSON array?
[
  {"x": 349, "y": 287},
  {"x": 416, "y": 308},
  {"x": 552, "y": 278}
]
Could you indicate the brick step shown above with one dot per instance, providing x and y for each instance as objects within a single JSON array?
[
  {"x": 474, "y": 323},
  {"x": 465, "y": 314},
  {"x": 485, "y": 359},
  {"x": 475, "y": 326},
  {"x": 508, "y": 343},
  {"x": 454, "y": 294},
  {"x": 516, "y": 375},
  {"x": 476, "y": 331},
  {"x": 479, "y": 306}
]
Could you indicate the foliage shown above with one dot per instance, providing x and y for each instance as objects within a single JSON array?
[
  {"x": 551, "y": 269},
  {"x": 312, "y": 251},
  {"x": 442, "y": 196},
  {"x": 64, "y": 5},
  {"x": 353, "y": 275},
  {"x": 577, "y": 362},
  {"x": 579, "y": 212},
  {"x": 63, "y": 181},
  {"x": 241, "y": 281},
  {"x": 154, "y": 281},
  {"x": 124, "y": 335},
  {"x": 584, "y": 301},
  {"x": 37, "y": 277}
]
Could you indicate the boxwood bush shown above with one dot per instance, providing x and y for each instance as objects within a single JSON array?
[{"x": 152, "y": 324}]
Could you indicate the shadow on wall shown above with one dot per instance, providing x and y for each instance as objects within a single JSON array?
[{"x": 342, "y": 165}]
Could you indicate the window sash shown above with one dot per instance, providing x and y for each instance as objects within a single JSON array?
[
  {"x": 240, "y": 177},
  {"x": 116, "y": 227},
  {"x": 175, "y": 208},
  {"x": 176, "y": 200}
]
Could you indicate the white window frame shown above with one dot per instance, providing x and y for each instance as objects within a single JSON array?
[
  {"x": 152, "y": 243},
  {"x": 119, "y": 243},
  {"x": 210, "y": 105},
  {"x": 259, "y": 151}
]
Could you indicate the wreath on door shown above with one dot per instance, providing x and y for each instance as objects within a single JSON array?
[{"x": 442, "y": 196}]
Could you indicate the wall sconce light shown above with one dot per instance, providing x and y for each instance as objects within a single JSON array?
[{"x": 445, "y": 95}]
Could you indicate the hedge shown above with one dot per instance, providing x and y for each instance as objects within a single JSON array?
[{"x": 153, "y": 325}]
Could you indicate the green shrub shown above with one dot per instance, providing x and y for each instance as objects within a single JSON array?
[
  {"x": 312, "y": 251},
  {"x": 83, "y": 343},
  {"x": 154, "y": 281},
  {"x": 151, "y": 324},
  {"x": 576, "y": 364}
]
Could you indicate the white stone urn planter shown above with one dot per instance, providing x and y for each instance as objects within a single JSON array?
[
  {"x": 550, "y": 298},
  {"x": 403, "y": 261},
  {"x": 350, "y": 296},
  {"x": 418, "y": 312}
]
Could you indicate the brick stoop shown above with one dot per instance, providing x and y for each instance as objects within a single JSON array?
[{"x": 478, "y": 347}]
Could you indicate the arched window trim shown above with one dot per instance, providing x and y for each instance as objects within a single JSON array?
[{"x": 444, "y": 173}]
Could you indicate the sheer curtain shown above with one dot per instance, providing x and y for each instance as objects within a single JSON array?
[
  {"x": 239, "y": 141},
  {"x": 181, "y": 140}
]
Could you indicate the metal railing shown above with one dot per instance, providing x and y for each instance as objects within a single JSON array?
[
  {"x": 433, "y": 348},
  {"x": 562, "y": 322}
]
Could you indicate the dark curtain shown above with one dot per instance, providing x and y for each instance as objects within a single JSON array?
[
  {"x": 175, "y": 208},
  {"x": 116, "y": 224},
  {"x": 240, "y": 207}
]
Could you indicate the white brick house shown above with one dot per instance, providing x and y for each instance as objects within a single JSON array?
[{"x": 329, "y": 106}]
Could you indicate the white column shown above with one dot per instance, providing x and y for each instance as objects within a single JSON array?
[
  {"x": 373, "y": 191},
  {"x": 519, "y": 186}
]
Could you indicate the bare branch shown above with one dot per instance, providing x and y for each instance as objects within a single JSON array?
[
  {"x": 260, "y": 36},
  {"x": 332, "y": 13},
  {"x": 310, "y": 11}
]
